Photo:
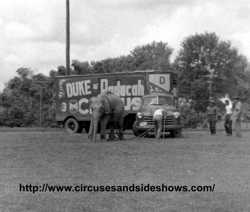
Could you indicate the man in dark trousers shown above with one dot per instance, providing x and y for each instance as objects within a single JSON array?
[
  {"x": 236, "y": 117},
  {"x": 228, "y": 114},
  {"x": 158, "y": 116},
  {"x": 228, "y": 119},
  {"x": 212, "y": 116}
]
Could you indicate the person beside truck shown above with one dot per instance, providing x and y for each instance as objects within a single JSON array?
[
  {"x": 228, "y": 114},
  {"x": 237, "y": 115},
  {"x": 158, "y": 116},
  {"x": 212, "y": 111}
]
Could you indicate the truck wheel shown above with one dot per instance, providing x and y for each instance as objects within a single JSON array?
[
  {"x": 136, "y": 131},
  {"x": 72, "y": 126}
]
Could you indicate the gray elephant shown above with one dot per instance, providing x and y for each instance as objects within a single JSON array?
[{"x": 107, "y": 109}]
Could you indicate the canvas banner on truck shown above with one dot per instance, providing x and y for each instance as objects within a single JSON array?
[
  {"x": 159, "y": 83},
  {"x": 74, "y": 93}
]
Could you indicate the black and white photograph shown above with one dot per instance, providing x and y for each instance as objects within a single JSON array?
[{"x": 124, "y": 106}]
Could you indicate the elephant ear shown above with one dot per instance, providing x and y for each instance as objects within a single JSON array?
[
  {"x": 106, "y": 104},
  {"x": 91, "y": 102}
]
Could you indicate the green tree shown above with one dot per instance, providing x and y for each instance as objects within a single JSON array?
[
  {"x": 201, "y": 53},
  {"x": 81, "y": 67},
  {"x": 22, "y": 96},
  {"x": 155, "y": 55}
]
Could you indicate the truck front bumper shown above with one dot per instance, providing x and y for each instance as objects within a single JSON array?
[
  {"x": 145, "y": 126},
  {"x": 142, "y": 126}
]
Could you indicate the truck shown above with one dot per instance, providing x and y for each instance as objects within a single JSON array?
[{"x": 75, "y": 91}]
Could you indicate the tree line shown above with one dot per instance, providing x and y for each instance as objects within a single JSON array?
[{"x": 28, "y": 99}]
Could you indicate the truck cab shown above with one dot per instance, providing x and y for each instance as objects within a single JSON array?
[{"x": 171, "y": 116}]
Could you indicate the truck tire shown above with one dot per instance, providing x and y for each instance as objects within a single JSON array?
[
  {"x": 72, "y": 126},
  {"x": 136, "y": 131}
]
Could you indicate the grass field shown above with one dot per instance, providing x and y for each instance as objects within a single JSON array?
[{"x": 59, "y": 158}]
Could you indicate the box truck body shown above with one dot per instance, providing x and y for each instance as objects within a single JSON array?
[{"x": 75, "y": 91}]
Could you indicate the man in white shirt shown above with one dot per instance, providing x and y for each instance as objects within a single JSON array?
[
  {"x": 228, "y": 115},
  {"x": 157, "y": 118},
  {"x": 236, "y": 117},
  {"x": 228, "y": 119}
]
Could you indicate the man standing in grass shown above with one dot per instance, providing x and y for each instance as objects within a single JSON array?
[
  {"x": 158, "y": 117},
  {"x": 228, "y": 120},
  {"x": 236, "y": 117},
  {"x": 228, "y": 115},
  {"x": 212, "y": 116}
]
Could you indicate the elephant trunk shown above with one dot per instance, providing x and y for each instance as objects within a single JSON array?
[
  {"x": 90, "y": 134},
  {"x": 94, "y": 126}
]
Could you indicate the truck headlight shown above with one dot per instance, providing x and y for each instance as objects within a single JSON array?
[
  {"x": 139, "y": 115},
  {"x": 176, "y": 114}
]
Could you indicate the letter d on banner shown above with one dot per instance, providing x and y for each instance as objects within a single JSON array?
[{"x": 162, "y": 80}]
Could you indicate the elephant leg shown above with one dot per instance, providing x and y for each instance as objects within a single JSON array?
[
  {"x": 120, "y": 128},
  {"x": 90, "y": 135},
  {"x": 94, "y": 130},
  {"x": 94, "y": 125},
  {"x": 103, "y": 126},
  {"x": 112, "y": 128},
  {"x": 112, "y": 134}
]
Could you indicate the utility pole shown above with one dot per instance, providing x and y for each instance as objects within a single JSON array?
[
  {"x": 67, "y": 37},
  {"x": 40, "y": 106},
  {"x": 210, "y": 76}
]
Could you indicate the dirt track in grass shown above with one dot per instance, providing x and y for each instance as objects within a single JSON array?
[{"x": 60, "y": 158}]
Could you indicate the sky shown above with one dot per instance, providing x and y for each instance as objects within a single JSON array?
[{"x": 32, "y": 32}]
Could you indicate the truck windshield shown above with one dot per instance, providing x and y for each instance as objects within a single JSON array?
[{"x": 158, "y": 100}]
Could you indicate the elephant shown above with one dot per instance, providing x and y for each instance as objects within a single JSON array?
[{"x": 106, "y": 108}]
